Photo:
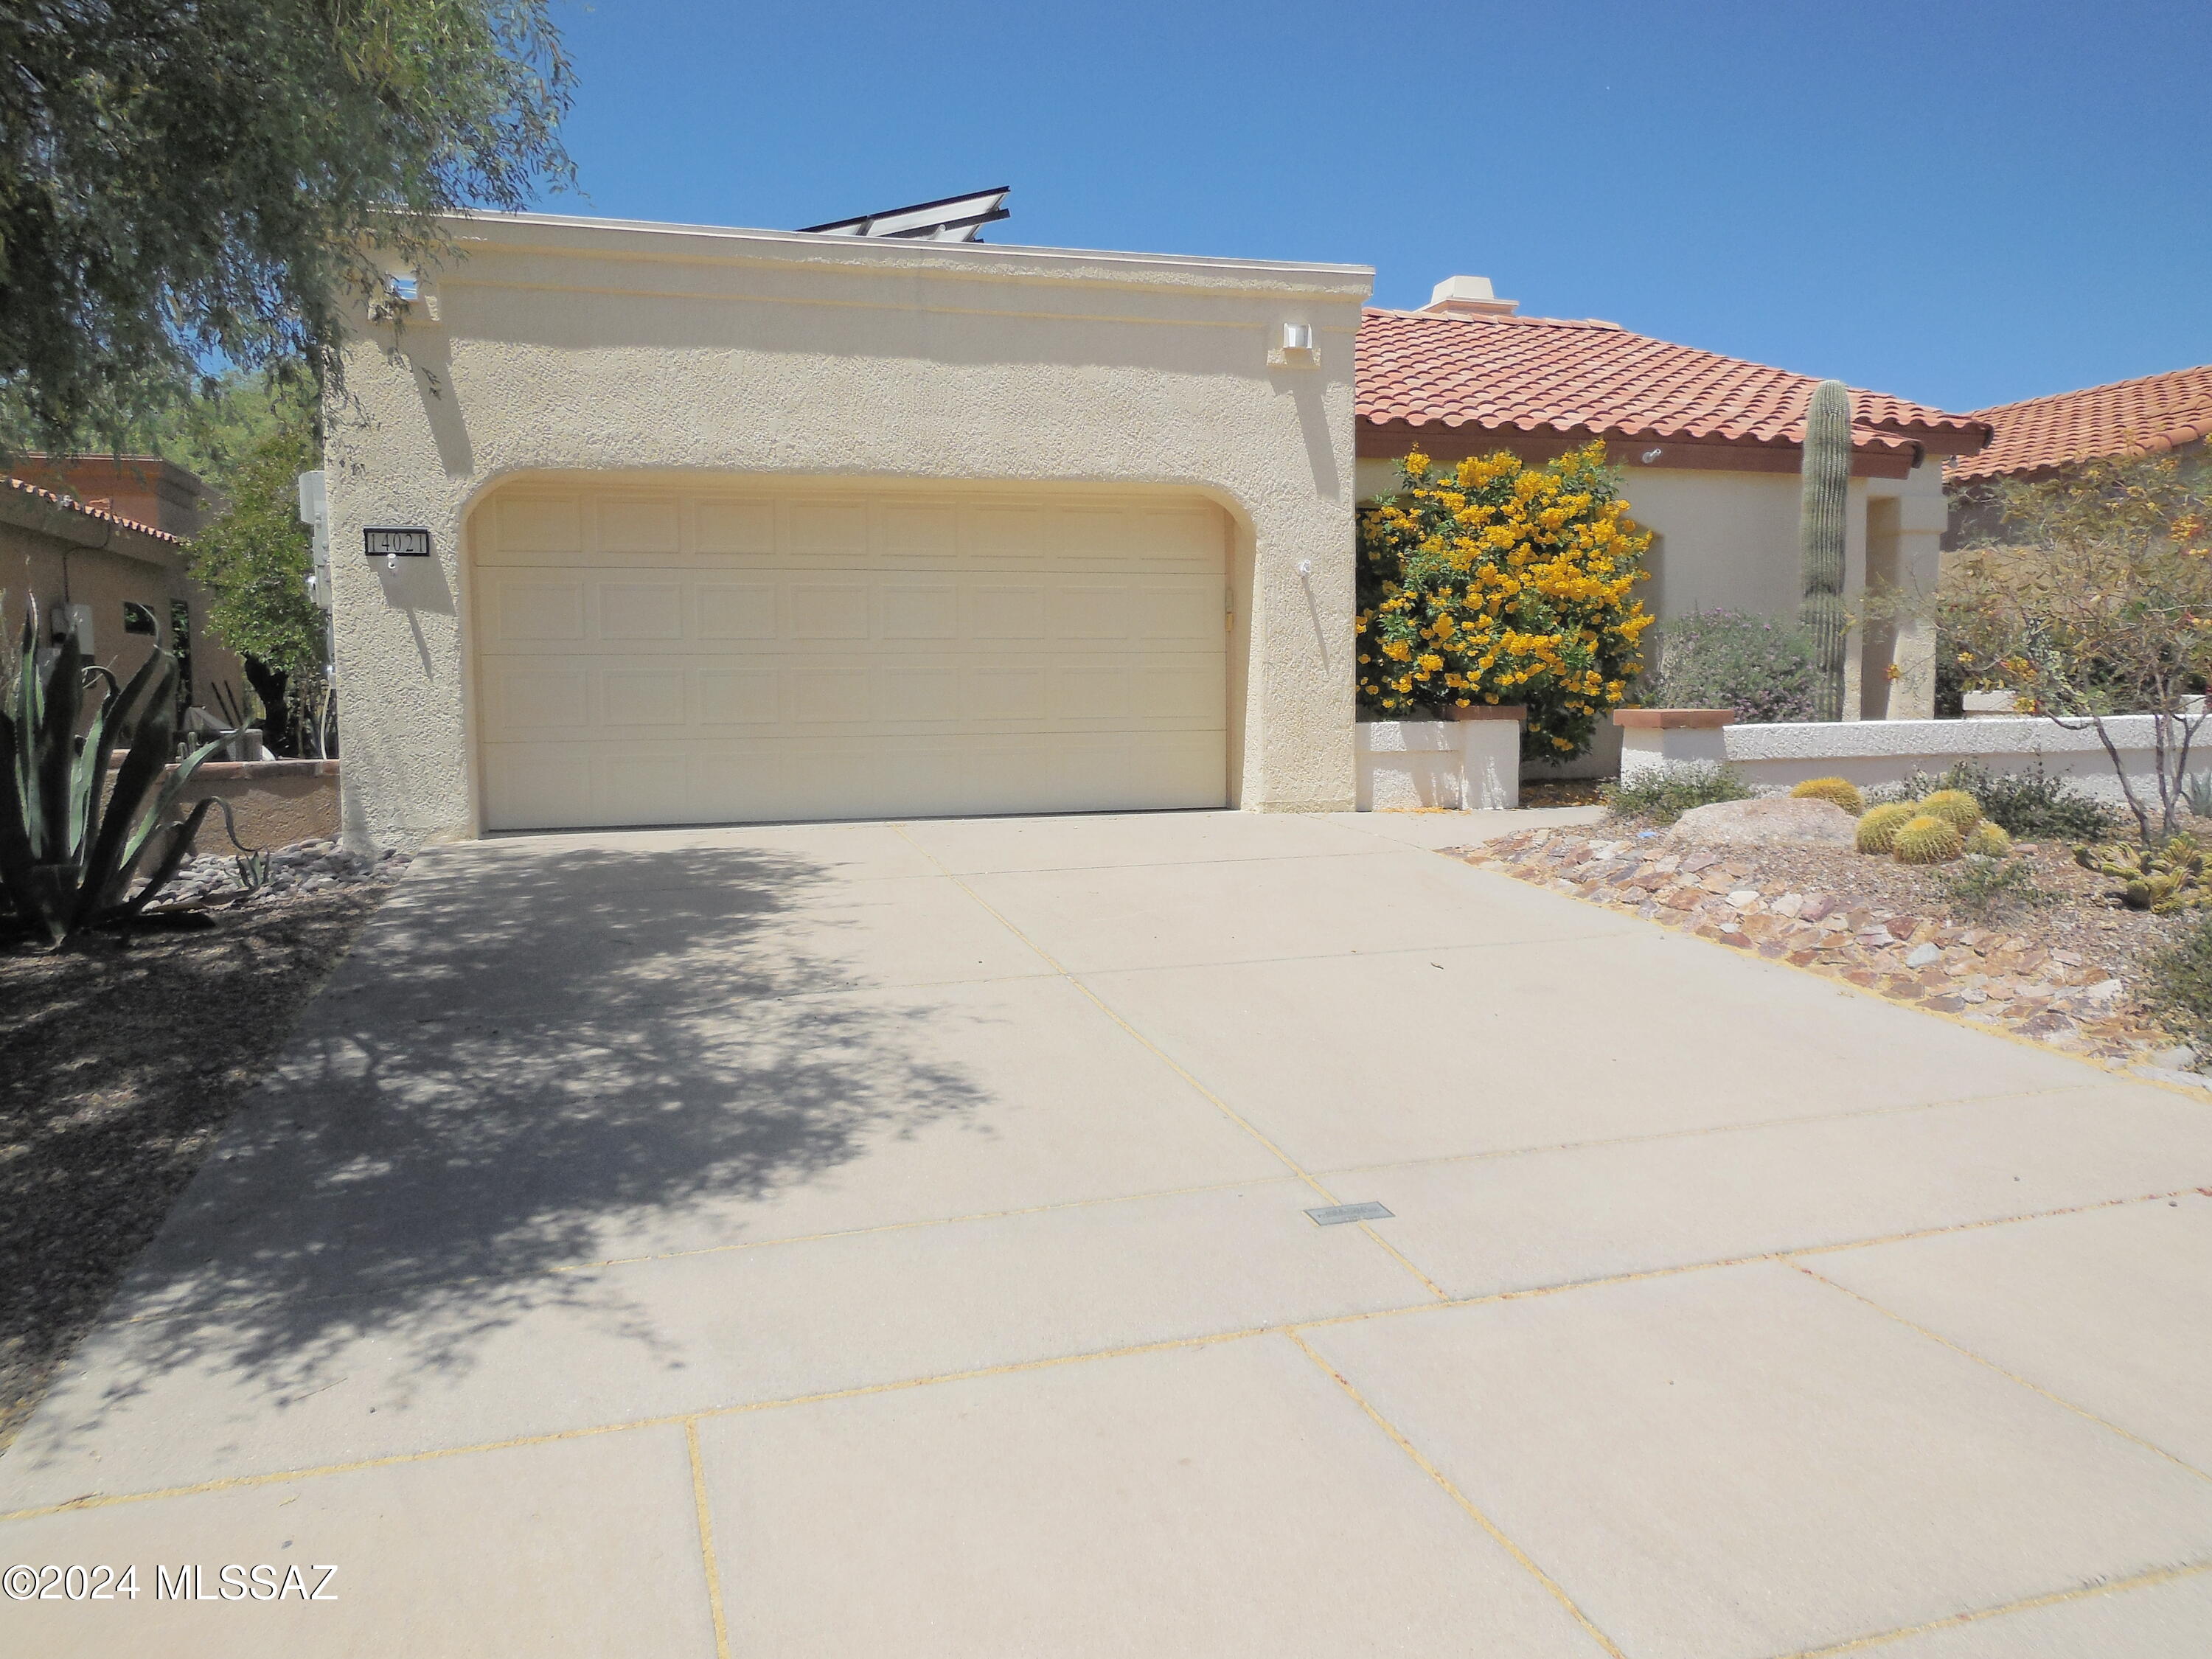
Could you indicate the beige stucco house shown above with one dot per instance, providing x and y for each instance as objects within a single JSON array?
[
  {"x": 1710, "y": 447},
  {"x": 740, "y": 524}
]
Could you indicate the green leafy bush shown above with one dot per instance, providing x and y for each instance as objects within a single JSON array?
[
  {"x": 2025, "y": 805},
  {"x": 1665, "y": 795},
  {"x": 2177, "y": 983},
  {"x": 1761, "y": 666}
]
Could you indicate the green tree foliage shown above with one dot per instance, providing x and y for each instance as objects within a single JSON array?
[
  {"x": 193, "y": 182},
  {"x": 255, "y": 562},
  {"x": 214, "y": 432}
]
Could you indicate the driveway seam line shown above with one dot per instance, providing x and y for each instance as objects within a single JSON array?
[
  {"x": 102, "y": 1500},
  {"x": 1421, "y": 1462},
  {"x": 2153, "y": 1576},
  {"x": 1748, "y": 1127},
  {"x": 2004, "y": 1371},
  {"x": 215, "y": 1307},
  {"x": 703, "y": 1511},
  {"x": 668, "y": 1419},
  {"x": 1357, "y": 955},
  {"x": 1179, "y": 1069}
]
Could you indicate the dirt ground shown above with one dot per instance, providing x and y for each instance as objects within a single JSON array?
[{"x": 119, "y": 1064}]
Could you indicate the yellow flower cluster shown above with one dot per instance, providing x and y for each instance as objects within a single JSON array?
[{"x": 1499, "y": 581}]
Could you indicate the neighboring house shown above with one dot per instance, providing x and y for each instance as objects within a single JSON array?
[
  {"x": 1710, "y": 447},
  {"x": 2168, "y": 413},
  {"x": 100, "y": 543},
  {"x": 732, "y": 524}
]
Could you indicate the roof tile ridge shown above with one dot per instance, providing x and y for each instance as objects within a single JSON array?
[
  {"x": 2050, "y": 398},
  {"x": 69, "y": 503}
]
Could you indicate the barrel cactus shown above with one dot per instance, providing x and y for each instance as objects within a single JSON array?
[
  {"x": 1840, "y": 791},
  {"x": 1927, "y": 839},
  {"x": 1988, "y": 840},
  {"x": 1955, "y": 807},
  {"x": 1826, "y": 472},
  {"x": 1879, "y": 828}
]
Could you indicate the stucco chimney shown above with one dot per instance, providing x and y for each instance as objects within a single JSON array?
[{"x": 1469, "y": 296}]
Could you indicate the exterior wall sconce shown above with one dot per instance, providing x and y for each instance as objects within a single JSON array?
[{"x": 1296, "y": 348}]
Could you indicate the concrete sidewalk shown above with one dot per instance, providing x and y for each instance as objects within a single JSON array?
[{"x": 893, "y": 1239}]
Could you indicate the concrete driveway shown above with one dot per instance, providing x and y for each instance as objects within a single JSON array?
[{"x": 895, "y": 1239}]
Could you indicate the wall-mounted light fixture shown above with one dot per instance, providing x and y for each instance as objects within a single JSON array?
[{"x": 1298, "y": 337}]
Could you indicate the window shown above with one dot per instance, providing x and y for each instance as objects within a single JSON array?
[
  {"x": 139, "y": 619},
  {"x": 180, "y": 634}
]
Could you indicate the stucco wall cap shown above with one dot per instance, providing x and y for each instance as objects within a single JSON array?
[
  {"x": 546, "y": 232},
  {"x": 1673, "y": 720}
]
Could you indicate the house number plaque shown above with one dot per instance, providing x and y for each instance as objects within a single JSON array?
[{"x": 396, "y": 543}]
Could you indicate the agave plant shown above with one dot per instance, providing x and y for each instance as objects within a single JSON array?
[
  {"x": 71, "y": 838},
  {"x": 2162, "y": 880}
]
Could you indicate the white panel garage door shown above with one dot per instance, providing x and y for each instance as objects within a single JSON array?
[{"x": 701, "y": 658}]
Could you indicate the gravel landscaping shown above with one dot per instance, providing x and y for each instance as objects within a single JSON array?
[
  {"x": 124, "y": 1059},
  {"x": 2058, "y": 968}
]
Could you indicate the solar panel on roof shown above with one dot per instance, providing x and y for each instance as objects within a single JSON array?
[{"x": 949, "y": 219}]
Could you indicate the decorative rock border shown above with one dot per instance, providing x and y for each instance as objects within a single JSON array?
[{"x": 1985, "y": 974}]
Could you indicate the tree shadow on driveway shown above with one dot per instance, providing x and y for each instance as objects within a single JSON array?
[{"x": 529, "y": 1064}]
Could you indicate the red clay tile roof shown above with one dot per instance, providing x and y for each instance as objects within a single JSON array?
[
  {"x": 72, "y": 504},
  {"x": 2149, "y": 416},
  {"x": 1544, "y": 373}
]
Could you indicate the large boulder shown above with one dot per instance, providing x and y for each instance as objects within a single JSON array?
[{"x": 1783, "y": 821}]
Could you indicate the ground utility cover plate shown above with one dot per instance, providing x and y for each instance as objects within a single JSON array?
[{"x": 1335, "y": 1215}]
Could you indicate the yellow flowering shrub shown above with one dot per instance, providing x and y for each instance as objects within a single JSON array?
[{"x": 1502, "y": 582}]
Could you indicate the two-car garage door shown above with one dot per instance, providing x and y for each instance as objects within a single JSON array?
[{"x": 729, "y": 654}]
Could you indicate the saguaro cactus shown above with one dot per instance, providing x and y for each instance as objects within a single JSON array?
[{"x": 1826, "y": 472}]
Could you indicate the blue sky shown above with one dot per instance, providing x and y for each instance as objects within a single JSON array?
[{"x": 1964, "y": 202}]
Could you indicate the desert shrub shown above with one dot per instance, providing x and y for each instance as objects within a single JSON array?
[
  {"x": 1664, "y": 795},
  {"x": 1761, "y": 666},
  {"x": 1840, "y": 791},
  {"x": 2091, "y": 601},
  {"x": 1954, "y": 806},
  {"x": 1982, "y": 886},
  {"x": 1927, "y": 839},
  {"x": 2177, "y": 983},
  {"x": 1878, "y": 829},
  {"x": 2027, "y": 805}
]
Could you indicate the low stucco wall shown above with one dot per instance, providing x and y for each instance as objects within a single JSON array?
[
  {"x": 272, "y": 803},
  {"x": 1470, "y": 766},
  {"x": 565, "y": 347},
  {"x": 1869, "y": 752}
]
